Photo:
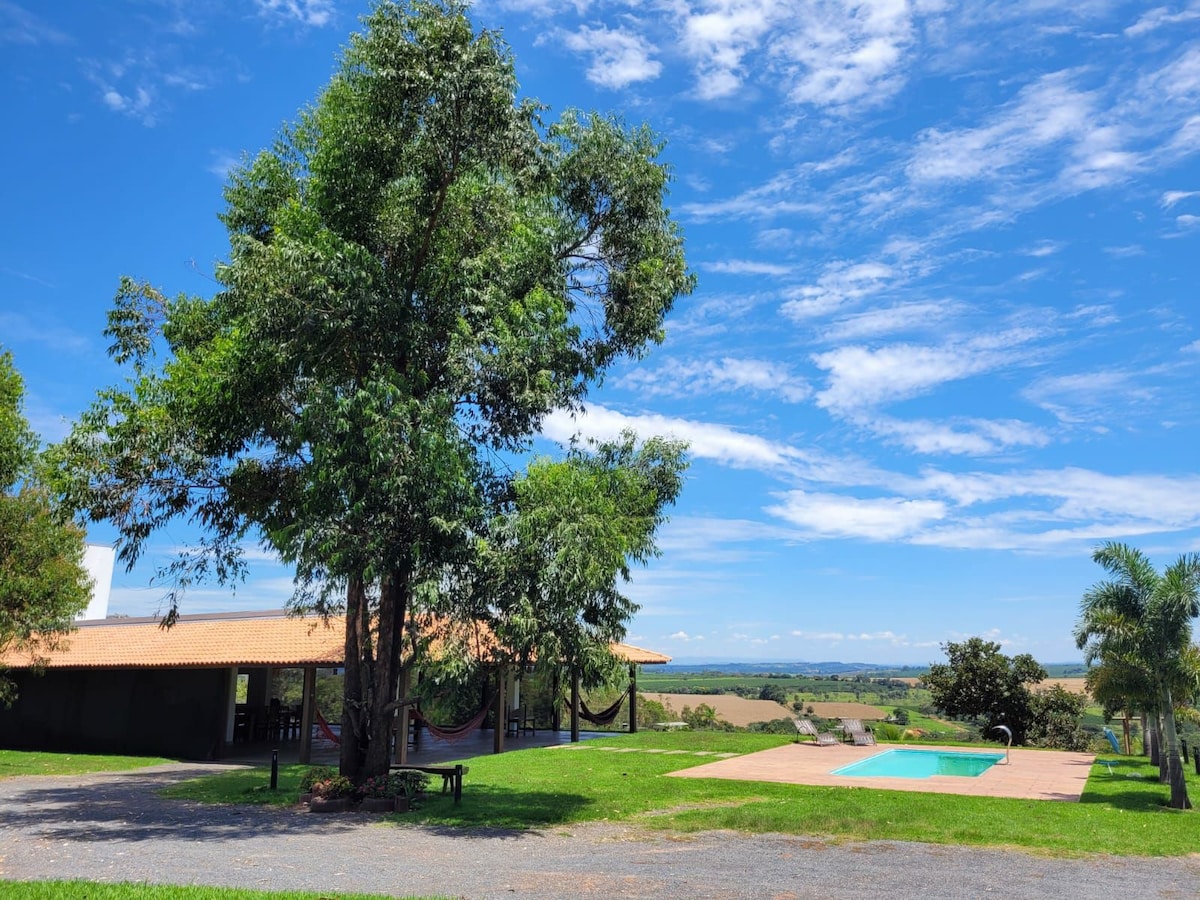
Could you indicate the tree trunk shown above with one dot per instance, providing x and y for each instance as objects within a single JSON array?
[
  {"x": 393, "y": 607},
  {"x": 353, "y": 707},
  {"x": 1151, "y": 737},
  {"x": 1170, "y": 749}
]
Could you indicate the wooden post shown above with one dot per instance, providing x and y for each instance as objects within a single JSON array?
[
  {"x": 403, "y": 719},
  {"x": 501, "y": 714},
  {"x": 574, "y": 705},
  {"x": 633, "y": 698},
  {"x": 308, "y": 702}
]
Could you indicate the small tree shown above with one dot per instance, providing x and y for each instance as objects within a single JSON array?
[
  {"x": 1057, "y": 717},
  {"x": 43, "y": 583},
  {"x": 982, "y": 684}
]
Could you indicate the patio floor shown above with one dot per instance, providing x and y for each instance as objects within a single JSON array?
[
  {"x": 1031, "y": 774},
  {"x": 430, "y": 750}
]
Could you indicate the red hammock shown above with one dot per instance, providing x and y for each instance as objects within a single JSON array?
[
  {"x": 605, "y": 716},
  {"x": 329, "y": 733},
  {"x": 452, "y": 733}
]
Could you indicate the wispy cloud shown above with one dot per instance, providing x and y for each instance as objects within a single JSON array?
[
  {"x": 745, "y": 267},
  {"x": 839, "y": 285},
  {"x": 862, "y": 377},
  {"x": 19, "y": 26},
  {"x": 1161, "y": 17},
  {"x": 306, "y": 13},
  {"x": 678, "y": 378}
]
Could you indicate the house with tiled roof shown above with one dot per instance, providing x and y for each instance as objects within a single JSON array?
[{"x": 132, "y": 686}]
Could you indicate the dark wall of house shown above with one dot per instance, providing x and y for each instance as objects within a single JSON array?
[{"x": 165, "y": 712}]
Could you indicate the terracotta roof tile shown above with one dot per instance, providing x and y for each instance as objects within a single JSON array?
[
  {"x": 196, "y": 642},
  {"x": 253, "y": 639}
]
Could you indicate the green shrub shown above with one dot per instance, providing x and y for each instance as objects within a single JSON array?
[{"x": 313, "y": 775}]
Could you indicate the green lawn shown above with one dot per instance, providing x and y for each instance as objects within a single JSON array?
[
  {"x": 16, "y": 762},
  {"x": 1121, "y": 812},
  {"x": 89, "y": 890}
]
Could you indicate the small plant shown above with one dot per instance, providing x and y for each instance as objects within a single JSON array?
[
  {"x": 313, "y": 775},
  {"x": 382, "y": 787},
  {"x": 414, "y": 783},
  {"x": 333, "y": 788}
]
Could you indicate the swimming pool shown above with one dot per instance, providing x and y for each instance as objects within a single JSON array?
[{"x": 921, "y": 764}]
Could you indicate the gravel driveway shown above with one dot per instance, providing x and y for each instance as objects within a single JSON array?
[{"x": 115, "y": 828}]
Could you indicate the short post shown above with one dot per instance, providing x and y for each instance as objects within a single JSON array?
[
  {"x": 1183, "y": 744},
  {"x": 1196, "y": 758},
  {"x": 274, "y": 770},
  {"x": 458, "y": 777}
]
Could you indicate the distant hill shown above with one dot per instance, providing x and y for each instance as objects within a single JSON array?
[{"x": 795, "y": 667}]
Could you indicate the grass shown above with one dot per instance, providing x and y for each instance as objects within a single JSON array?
[
  {"x": 1121, "y": 812},
  {"x": 17, "y": 762},
  {"x": 90, "y": 890}
]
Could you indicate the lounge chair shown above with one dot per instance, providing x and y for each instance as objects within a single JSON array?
[
  {"x": 853, "y": 729},
  {"x": 820, "y": 738},
  {"x": 862, "y": 738}
]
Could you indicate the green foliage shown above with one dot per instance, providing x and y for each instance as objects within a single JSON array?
[
  {"x": 979, "y": 682},
  {"x": 900, "y": 715},
  {"x": 314, "y": 774},
  {"x": 43, "y": 583},
  {"x": 1057, "y": 720},
  {"x": 334, "y": 787},
  {"x": 420, "y": 271},
  {"x": 1137, "y": 626},
  {"x": 772, "y": 692}
]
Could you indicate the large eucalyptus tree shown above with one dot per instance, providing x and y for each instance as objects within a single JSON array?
[
  {"x": 420, "y": 269},
  {"x": 1140, "y": 619}
]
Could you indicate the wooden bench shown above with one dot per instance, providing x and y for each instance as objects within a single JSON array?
[{"x": 452, "y": 776}]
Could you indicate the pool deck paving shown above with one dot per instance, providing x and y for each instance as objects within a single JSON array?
[{"x": 1028, "y": 775}]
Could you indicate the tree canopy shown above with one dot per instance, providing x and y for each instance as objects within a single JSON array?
[
  {"x": 43, "y": 583},
  {"x": 420, "y": 270},
  {"x": 1137, "y": 625},
  {"x": 979, "y": 682}
]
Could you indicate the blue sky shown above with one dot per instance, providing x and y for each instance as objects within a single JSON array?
[{"x": 945, "y": 338}]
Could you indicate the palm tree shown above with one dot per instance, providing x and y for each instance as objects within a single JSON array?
[{"x": 1141, "y": 618}]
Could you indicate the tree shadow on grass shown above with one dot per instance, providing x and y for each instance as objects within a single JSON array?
[{"x": 129, "y": 807}]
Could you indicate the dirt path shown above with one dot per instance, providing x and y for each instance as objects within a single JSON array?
[{"x": 114, "y": 828}]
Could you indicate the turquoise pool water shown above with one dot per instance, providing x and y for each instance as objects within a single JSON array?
[{"x": 921, "y": 764}]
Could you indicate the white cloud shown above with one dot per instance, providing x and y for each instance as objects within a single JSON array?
[
  {"x": 840, "y": 284},
  {"x": 619, "y": 57},
  {"x": 675, "y": 378},
  {"x": 920, "y": 316},
  {"x": 745, "y": 267},
  {"x": 862, "y": 377},
  {"x": 1170, "y": 198},
  {"x": 719, "y": 38},
  {"x": 836, "y": 515},
  {"x": 705, "y": 440},
  {"x": 1161, "y": 16},
  {"x": 840, "y": 55},
  {"x": 971, "y": 437},
  {"x": 1047, "y": 112},
  {"x": 1087, "y": 396},
  {"x": 309, "y": 13}
]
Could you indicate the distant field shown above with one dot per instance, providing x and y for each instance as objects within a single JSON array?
[
  {"x": 1074, "y": 685},
  {"x": 733, "y": 709},
  {"x": 847, "y": 710}
]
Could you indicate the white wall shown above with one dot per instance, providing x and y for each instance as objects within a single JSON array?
[{"x": 98, "y": 559}]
